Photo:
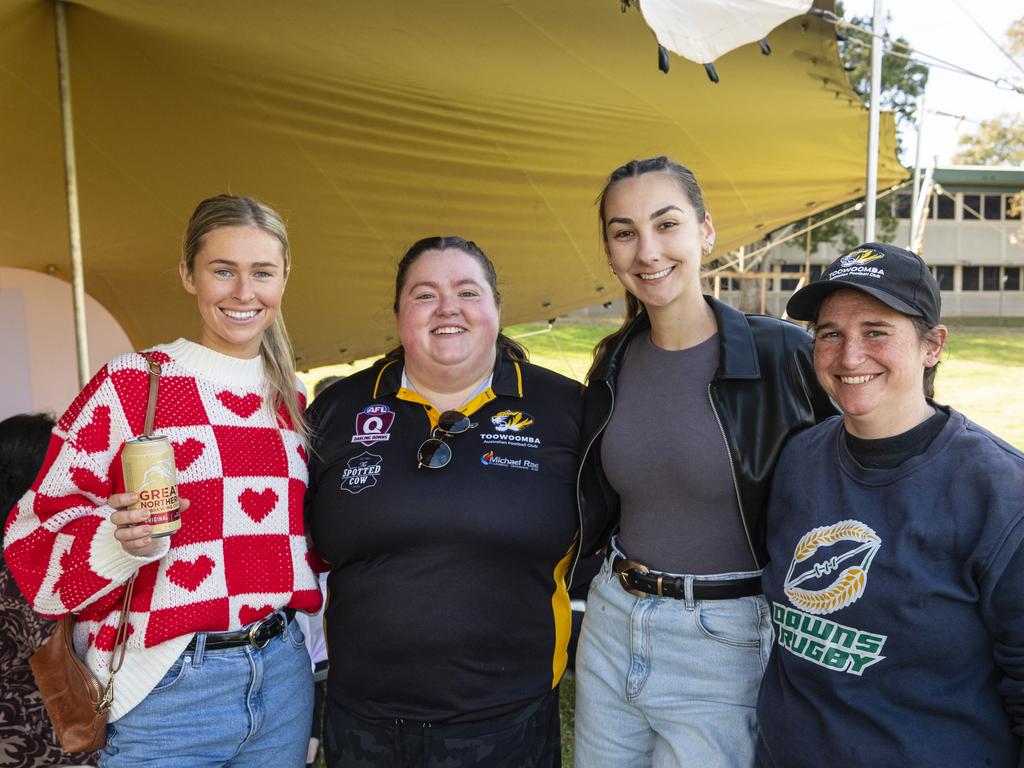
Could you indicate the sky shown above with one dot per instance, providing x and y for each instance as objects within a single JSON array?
[{"x": 949, "y": 30}]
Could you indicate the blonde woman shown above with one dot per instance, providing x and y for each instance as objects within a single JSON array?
[{"x": 212, "y": 650}]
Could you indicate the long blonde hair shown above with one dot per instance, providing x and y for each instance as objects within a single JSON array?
[{"x": 275, "y": 346}]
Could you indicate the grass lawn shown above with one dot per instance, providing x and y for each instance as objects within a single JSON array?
[{"x": 567, "y": 709}]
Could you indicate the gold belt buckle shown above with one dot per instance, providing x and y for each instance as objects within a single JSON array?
[{"x": 623, "y": 568}]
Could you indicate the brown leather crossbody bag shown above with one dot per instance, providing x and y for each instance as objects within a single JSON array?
[{"x": 77, "y": 703}]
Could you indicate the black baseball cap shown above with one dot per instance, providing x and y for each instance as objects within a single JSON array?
[{"x": 895, "y": 276}]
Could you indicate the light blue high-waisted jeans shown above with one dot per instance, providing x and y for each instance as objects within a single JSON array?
[
  {"x": 668, "y": 683},
  {"x": 239, "y": 707}
]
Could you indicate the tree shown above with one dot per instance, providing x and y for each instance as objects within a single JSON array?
[
  {"x": 1015, "y": 36},
  {"x": 903, "y": 81},
  {"x": 999, "y": 141}
]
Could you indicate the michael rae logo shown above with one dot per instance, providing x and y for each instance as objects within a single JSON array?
[
  {"x": 508, "y": 428},
  {"x": 489, "y": 459},
  {"x": 361, "y": 472},
  {"x": 372, "y": 424}
]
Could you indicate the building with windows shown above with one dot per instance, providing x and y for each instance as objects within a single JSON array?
[{"x": 973, "y": 241}]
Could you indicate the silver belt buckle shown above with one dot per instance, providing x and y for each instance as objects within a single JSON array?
[{"x": 254, "y": 631}]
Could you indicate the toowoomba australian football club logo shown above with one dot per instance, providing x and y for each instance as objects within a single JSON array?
[
  {"x": 507, "y": 429},
  {"x": 828, "y": 573},
  {"x": 860, "y": 262}
]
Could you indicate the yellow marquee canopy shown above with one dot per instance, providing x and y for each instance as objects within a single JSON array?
[{"x": 372, "y": 124}]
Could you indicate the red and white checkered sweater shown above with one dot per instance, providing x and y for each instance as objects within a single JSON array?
[{"x": 241, "y": 552}]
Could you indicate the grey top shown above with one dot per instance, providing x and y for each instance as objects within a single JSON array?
[{"x": 664, "y": 454}]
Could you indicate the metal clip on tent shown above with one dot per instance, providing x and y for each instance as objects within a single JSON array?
[
  {"x": 765, "y": 48},
  {"x": 712, "y": 73},
  {"x": 663, "y": 59}
]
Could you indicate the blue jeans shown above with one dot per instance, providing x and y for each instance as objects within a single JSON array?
[
  {"x": 663, "y": 682},
  {"x": 237, "y": 707}
]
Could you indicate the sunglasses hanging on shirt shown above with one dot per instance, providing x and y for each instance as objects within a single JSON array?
[{"x": 434, "y": 452}]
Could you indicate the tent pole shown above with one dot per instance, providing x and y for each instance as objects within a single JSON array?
[
  {"x": 71, "y": 182},
  {"x": 917, "y": 169},
  {"x": 876, "y": 87}
]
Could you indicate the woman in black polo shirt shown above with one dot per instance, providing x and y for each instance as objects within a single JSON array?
[{"x": 442, "y": 493}]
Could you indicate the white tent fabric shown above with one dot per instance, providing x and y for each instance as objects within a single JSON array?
[{"x": 703, "y": 30}]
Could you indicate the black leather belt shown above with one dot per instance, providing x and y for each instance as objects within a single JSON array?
[
  {"x": 637, "y": 579},
  {"x": 258, "y": 634}
]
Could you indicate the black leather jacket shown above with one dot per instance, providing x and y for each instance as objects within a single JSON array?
[{"x": 763, "y": 391}]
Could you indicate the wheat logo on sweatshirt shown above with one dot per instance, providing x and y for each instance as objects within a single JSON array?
[{"x": 829, "y": 572}]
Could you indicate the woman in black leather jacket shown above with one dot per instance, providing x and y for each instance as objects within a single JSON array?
[{"x": 688, "y": 407}]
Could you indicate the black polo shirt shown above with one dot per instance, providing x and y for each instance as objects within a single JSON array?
[{"x": 447, "y": 600}]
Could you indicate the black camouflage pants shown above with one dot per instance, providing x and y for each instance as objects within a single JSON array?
[{"x": 529, "y": 738}]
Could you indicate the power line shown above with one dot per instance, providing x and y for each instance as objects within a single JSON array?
[
  {"x": 935, "y": 61},
  {"x": 984, "y": 31}
]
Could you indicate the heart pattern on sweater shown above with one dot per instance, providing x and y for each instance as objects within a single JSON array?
[
  {"x": 189, "y": 574},
  {"x": 257, "y": 505},
  {"x": 87, "y": 480},
  {"x": 240, "y": 406},
  {"x": 302, "y": 453},
  {"x": 105, "y": 639},
  {"x": 95, "y": 436},
  {"x": 187, "y": 452},
  {"x": 247, "y": 614}
]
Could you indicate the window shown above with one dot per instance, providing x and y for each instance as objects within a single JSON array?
[
  {"x": 990, "y": 278},
  {"x": 972, "y": 205},
  {"x": 993, "y": 206},
  {"x": 944, "y": 277},
  {"x": 1012, "y": 282},
  {"x": 902, "y": 209},
  {"x": 816, "y": 270},
  {"x": 786, "y": 284},
  {"x": 946, "y": 207},
  {"x": 970, "y": 278}
]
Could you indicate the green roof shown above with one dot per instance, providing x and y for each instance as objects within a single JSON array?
[{"x": 980, "y": 178}]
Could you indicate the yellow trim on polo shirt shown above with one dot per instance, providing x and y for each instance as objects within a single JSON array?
[
  {"x": 433, "y": 414},
  {"x": 519, "y": 378},
  {"x": 478, "y": 402},
  {"x": 412, "y": 396},
  {"x": 376, "y": 384},
  {"x": 561, "y": 610}
]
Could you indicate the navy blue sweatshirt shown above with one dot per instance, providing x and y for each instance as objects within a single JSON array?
[{"x": 897, "y": 599}]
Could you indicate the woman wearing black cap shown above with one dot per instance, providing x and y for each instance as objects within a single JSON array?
[{"x": 896, "y": 538}]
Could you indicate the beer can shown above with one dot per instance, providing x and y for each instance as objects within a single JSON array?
[{"x": 149, "y": 471}]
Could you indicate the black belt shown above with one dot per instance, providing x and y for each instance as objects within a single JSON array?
[
  {"x": 637, "y": 579},
  {"x": 258, "y": 634}
]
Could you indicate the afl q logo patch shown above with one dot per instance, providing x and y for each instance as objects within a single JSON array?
[
  {"x": 361, "y": 472},
  {"x": 372, "y": 424},
  {"x": 856, "y": 545}
]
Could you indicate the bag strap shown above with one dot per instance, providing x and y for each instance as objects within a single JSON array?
[
  {"x": 154, "y": 384},
  {"x": 120, "y": 644},
  {"x": 121, "y": 636}
]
